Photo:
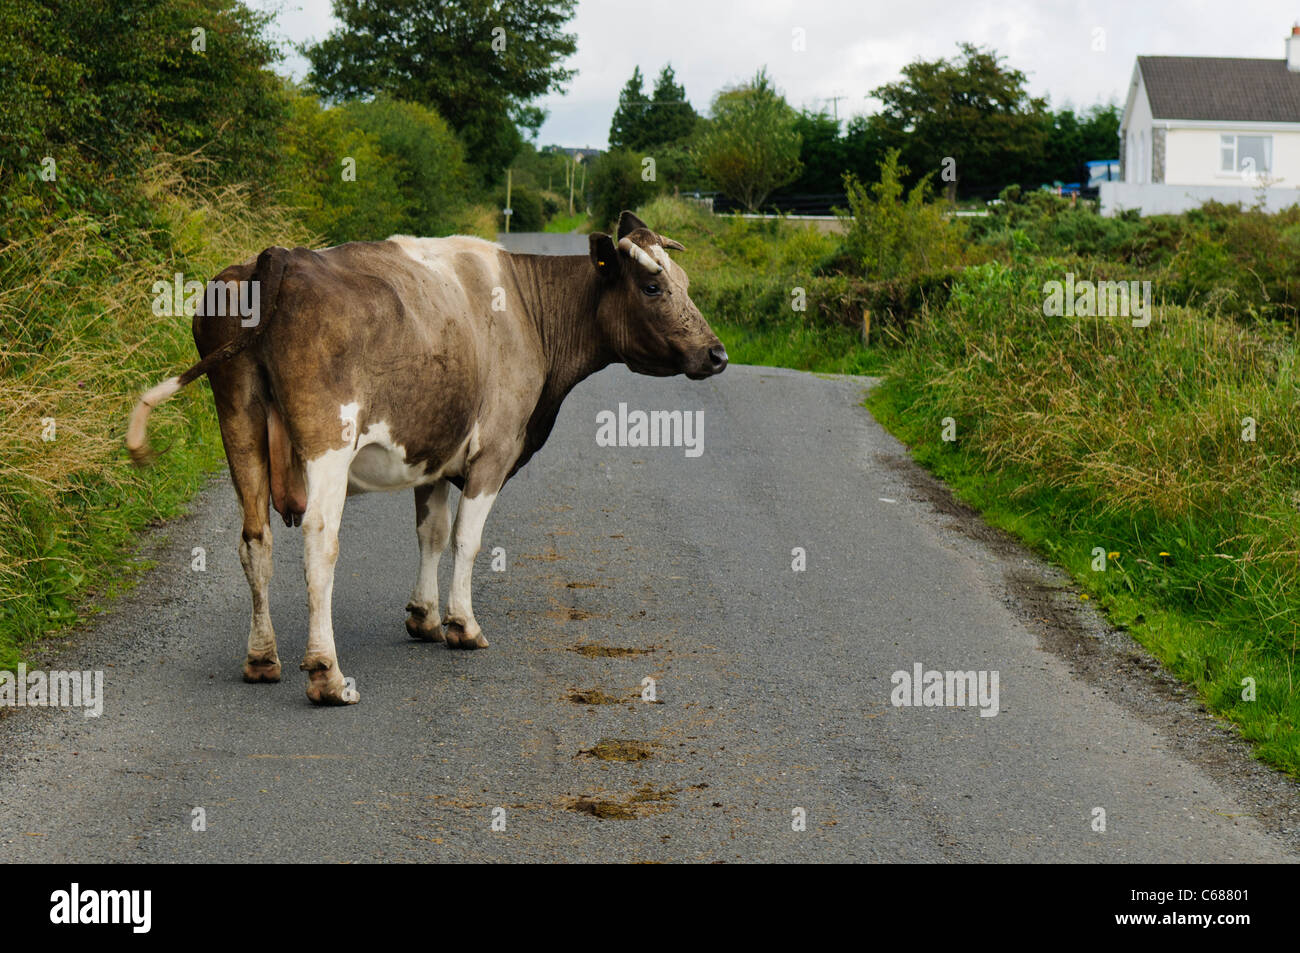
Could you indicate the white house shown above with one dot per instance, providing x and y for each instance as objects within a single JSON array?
[{"x": 1206, "y": 127}]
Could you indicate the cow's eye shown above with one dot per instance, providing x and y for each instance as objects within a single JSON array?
[{"x": 651, "y": 289}]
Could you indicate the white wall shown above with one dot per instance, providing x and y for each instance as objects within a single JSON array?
[
  {"x": 1192, "y": 156},
  {"x": 1161, "y": 199},
  {"x": 1137, "y": 137}
]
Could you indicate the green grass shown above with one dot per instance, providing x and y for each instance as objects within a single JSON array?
[
  {"x": 566, "y": 223},
  {"x": 825, "y": 350}
]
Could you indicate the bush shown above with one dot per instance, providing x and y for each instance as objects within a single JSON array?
[
  {"x": 616, "y": 184},
  {"x": 892, "y": 237},
  {"x": 529, "y": 214},
  {"x": 409, "y": 171},
  {"x": 102, "y": 87},
  {"x": 428, "y": 159},
  {"x": 368, "y": 207}
]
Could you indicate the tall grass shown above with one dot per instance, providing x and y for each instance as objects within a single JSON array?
[
  {"x": 80, "y": 343},
  {"x": 1089, "y": 435}
]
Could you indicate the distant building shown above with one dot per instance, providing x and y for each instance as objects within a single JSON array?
[{"x": 1203, "y": 127}]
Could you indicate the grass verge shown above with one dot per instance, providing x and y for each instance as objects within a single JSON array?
[{"x": 82, "y": 343}]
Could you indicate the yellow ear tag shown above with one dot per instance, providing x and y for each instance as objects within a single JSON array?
[{"x": 600, "y": 263}]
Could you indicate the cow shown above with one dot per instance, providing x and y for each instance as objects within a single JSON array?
[{"x": 414, "y": 363}]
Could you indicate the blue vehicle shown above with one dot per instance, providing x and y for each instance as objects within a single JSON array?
[{"x": 1102, "y": 170}]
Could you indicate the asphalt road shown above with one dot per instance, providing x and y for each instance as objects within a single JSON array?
[{"x": 772, "y": 686}]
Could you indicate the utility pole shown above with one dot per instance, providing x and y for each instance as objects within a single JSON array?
[
  {"x": 835, "y": 106},
  {"x": 509, "y": 210},
  {"x": 573, "y": 174}
]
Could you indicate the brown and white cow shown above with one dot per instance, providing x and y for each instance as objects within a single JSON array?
[{"x": 416, "y": 363}]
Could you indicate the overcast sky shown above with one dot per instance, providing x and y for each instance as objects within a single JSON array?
[{"x": 853, "y": 46}]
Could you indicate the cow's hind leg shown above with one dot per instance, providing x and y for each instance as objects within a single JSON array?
[
  {"x": 243, "y": 431},
  {"x": 327, "y": 485},
  {"x": 463, "y": 631},
  {"x": 433, "y": 528}
]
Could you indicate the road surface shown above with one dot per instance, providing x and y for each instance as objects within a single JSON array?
[{"x": 772, "y": 687}]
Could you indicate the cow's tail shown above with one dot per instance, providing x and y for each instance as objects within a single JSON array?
[{"x": 268, "y": 272}]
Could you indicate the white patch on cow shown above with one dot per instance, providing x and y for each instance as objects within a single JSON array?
[
  {"x": 348, "y": 421},
  {"x": 470, "y": 517},
  {"x": 380, "y": 462},
  {"x": 327, "y": 485},
  {"x": 436, "y": 253}
]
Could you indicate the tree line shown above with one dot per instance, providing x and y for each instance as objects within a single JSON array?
[
  {"x": 413, "y": 111},
  {"x": 969, "y": 122},
  {"x": 406, "y": 122}
]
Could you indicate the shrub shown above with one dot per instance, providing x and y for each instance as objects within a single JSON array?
[
  {"x": 428, "y": 161},
  {"x": 890, "y": 236}
]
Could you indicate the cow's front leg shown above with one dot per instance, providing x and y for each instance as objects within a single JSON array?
[
  {"x": 327, "y": 484},
  {"x": 463, "y": 631},
  {"x": 433, "y": 528}
]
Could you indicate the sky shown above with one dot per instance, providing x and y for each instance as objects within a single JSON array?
[{"x": 1075, "y": 52}]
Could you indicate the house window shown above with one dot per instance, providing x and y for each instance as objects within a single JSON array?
[{"x": 1246, "y": 154}]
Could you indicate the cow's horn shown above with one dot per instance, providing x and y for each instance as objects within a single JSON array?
[
  {"x": 669, "y": 243},
  {"x": 640, "y": 256}
]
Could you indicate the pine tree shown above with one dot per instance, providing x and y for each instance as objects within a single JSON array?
[
  {"x": 628, "y": 126},
  {"x": 672, "y": 118}
]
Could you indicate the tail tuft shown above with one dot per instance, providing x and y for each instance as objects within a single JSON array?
[{"x": 136, "y": 438}]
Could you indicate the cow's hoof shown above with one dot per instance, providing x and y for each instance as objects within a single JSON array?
[
  {"x": 458, "y": 638},
  {"x": 261, "y": 670},
  {"x": 420, "y": 626},
  {"x": 328, "y": 687}
]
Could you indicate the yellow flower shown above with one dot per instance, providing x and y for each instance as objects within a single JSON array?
[{"x": 1112, "y": 555}]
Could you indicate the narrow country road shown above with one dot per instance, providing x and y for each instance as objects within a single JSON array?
[{"x": 772, "y": 686}]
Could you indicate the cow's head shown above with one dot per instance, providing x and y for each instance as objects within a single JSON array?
[{"x": 645, "y": 310}]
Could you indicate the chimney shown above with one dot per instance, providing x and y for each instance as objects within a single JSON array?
[{"x": 1293, "y": 49}]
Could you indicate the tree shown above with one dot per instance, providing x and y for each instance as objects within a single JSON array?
[
  {"x": 751, "y": 145},
  {"x": 102, "y": 104},
  {"x": 616, "y": 182},
  {"x": 479, "y": 63},
  {"x": 672, "y": 117},
  {"x": 823, "y": 153},
  {"x": 1075, "y": 138},
  {"x": 640, "y": 124},
  {"x": 427, "y": 160},
  {"x": 972, "y": 110},
  {"x": 627, "y": 128}
]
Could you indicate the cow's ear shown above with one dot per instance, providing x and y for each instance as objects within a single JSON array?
[
  {"x": 670, "y": 243},
  {"x": 603, "y": 254},
  {"x": 629, "y": 223}
]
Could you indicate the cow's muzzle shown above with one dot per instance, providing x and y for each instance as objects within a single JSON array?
[{"x": 706, "y": 362}]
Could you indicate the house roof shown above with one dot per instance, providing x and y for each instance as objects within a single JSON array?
[{"x": 1221, "y": 88}]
